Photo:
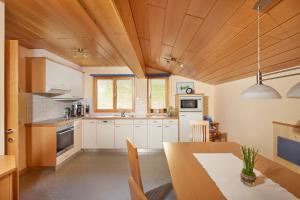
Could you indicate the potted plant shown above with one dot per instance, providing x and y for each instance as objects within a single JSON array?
[{"x": 248, "y": 176}]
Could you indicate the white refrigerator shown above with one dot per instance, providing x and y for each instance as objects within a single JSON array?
[{"x": 184, "y": 124}]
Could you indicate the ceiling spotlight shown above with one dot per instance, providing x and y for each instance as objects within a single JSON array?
[
  {"x": 79, "y": 52},
  {"x": 174, "y": 61}
]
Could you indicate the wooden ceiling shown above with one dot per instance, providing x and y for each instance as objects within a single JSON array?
[
  {"x": 61, "y": 26},
  {"x": 215, "y": 39}
]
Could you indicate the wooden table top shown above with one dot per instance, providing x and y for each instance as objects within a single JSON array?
[
  {"x": 7, "y": 165},
  {"x": 191, "y": 181}
]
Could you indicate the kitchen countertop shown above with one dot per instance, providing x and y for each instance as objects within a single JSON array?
[
  {"x": 59, "y": 121},
  {"x": 7, "y": 165},
  {"x": 53, "y": 122}
]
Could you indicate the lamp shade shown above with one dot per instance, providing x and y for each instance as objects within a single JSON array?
[
  {"x": 294, "y": 92},
  {"x": 260, "y": 91}
]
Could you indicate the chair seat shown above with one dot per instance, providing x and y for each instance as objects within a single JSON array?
[{"x": 160, "y": 192}]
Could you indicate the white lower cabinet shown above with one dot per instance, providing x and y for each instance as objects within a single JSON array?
[
  {"x": 140, "y": 134},
  {"x": 108, "y": 134},
  {"x": 105, "y": 134},
  {"x": 123, "y": 130},
  {"x": 170, "y": 133},
  {"x": 89, "y": 138},
  {"x": 155, "y": 136}
]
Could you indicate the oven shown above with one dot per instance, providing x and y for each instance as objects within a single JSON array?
[
  {"x": 192, "y": 103},
  {"x": 64, "y": 138}
]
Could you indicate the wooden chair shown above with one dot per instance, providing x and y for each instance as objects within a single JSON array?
[
  {"x": 135, "y": 191},
  {"x": 158, "y": 193},
  {"x": 199, "y": 131}
]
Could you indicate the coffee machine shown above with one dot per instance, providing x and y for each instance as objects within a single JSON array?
[{"x": 80, "y": 110}]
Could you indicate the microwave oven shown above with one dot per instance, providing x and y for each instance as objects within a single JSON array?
[{"x": 191, "y": 103}]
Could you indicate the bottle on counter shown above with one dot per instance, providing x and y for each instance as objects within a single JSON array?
[{"x": 87, "y": 109}]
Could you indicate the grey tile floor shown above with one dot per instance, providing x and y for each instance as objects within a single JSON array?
[{"x": 93, "y": 176}]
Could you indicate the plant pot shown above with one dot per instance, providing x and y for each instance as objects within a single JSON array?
[{"x": 248, "y": 180}]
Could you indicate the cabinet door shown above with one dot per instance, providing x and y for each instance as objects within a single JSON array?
[
  {"x": 121, "y": 133},
  {"x": 155, "y": 136},
  {"x": 76, "y": 84},
  {"x": 78, "y": 135},
  {"x": 56, "y": 76},
  {"x": 105, "y": 134},
  {"x": 140, "y": 136},
  {"x": 89, "y": 134},
  {"x": 6, "y": 187},
  {"x": 170, "y": 133}
]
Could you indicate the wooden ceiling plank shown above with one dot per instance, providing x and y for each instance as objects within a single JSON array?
[
  {"x": 71, "y": 23},
  {"x": 284, "y": 10},
  {"x": 220, "y": 13},
  {"x": 275, "y": 59},
  {"x": 275, "y": 67},
  {"x": 141, "y": 19},
  {"x": 247, "y": 36},
  {"x": 158, "y": 3},
  {"x": 242, "y": 18},
  {"x": 248, "y": 49},
  {"x": 187, "y": 32},
  {"x": 200, "y": 8},
  {"x": 174, "y": 18},
  {"x": 156, "y": 24}
]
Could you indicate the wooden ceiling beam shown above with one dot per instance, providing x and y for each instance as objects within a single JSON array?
[{"x": 115, "y": 19}]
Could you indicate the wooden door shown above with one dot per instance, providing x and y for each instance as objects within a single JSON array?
[{"x": 12, "y": 107}]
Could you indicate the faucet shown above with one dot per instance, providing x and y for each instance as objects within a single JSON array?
[{"x": 123, "y": 114}]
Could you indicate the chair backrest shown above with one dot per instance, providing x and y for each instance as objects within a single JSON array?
[
  {"x": 135, "y": 192},
  {"x": 134, "y": 164},
  {"x": 199, "y": 131}
]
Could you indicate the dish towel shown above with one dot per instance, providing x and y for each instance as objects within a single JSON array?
[{"x": 225, "y": 168}]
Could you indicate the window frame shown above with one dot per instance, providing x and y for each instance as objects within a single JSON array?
[
  {"x": 114, "y": 79},
  {"x": 149, "y": 96}
]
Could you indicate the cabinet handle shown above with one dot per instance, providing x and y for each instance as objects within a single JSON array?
[
  {"x": 105, "y": 121},
  {"x": 137, "y": 126},
  {"x": 117, "y": 126},
  {"x": 166, "y": 126},
  {"x": 159, "y": 126}
]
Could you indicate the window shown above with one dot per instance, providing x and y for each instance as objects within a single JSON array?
[
  {"x": 113, "y": 94},
  {"x": 158, "y": 93}
]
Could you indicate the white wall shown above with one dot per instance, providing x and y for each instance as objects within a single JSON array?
[
  {"x": 2, "y": 40},
  {"x": 141, "y": 87},
  {"x": 250, "y": 121}
]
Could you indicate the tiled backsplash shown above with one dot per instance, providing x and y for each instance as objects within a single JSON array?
[{"x": 42, "y": 108}]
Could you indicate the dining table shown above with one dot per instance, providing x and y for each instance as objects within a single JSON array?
[{"x": 191, "y": 181}]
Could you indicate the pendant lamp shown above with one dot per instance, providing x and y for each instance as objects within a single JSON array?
[
  {"x": 259, "y": 90},
  {"x": 294, "y": 92}
]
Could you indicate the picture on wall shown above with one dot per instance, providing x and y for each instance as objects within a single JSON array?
[{"x": 181, "y": 87}]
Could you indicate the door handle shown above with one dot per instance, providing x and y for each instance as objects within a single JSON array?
[{"x": 9, "y": 131}]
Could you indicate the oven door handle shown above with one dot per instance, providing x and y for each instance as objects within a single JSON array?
[{"x": 60, "y": 133}]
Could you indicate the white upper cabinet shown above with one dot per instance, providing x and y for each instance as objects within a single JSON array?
[{"x": 47, "y": 77}]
